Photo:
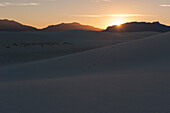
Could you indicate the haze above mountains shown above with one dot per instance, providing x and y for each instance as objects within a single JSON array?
[{"x": 10, "y": 25}]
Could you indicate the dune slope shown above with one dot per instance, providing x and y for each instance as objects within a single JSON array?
[
  {"x": 21, "y": 47},
  {"x": 132, "y": 77}
]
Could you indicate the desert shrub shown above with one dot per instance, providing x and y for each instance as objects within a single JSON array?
[
  {"x": 49, "y": 44},
  {"x": 14, "y": 44},
  {"x": 25, "y": 44},
  {"x": 40, "y": 44},
  {"x": 57, "y": 43},
  {"x": 7, "y": 46},
  {"x": 67, "y": 43},
  {"x": 34, "y": 44}
]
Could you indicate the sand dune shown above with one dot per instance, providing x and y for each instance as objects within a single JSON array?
[
  {"x": 21, "y": 47},
  {"x": 130, "y": 54},
  {"x": 132, "y": 77}
]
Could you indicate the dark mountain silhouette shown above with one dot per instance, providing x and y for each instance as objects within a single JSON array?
[
  {"x": 138, "y": 27},
  {"x": 71, "y": 26},
  {"x": 10, "y": 25}
]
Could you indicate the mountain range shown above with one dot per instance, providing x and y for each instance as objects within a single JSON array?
[
  {"x": 138, "y": 27},
  {"x": 70, "y": 26},
  {"x": 10, "y": 25}
]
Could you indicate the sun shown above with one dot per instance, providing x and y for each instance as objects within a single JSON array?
[{"x": 118, "y": 22}]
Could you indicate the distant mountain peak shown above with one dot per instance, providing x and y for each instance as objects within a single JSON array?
[
  {"x": 75, "y": 23},
  {"x": 5, "y": 21},
  {"x": 10, "y": 25},
  {"x": 71, "y": 26},
  {"x": 139, "y": 27}
]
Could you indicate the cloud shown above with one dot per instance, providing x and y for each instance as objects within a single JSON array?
[
  {"x": 101, "y": 1},
  {"x": 3, "y": 4},
  {"x": 112, "y": 15},
  {"x": 165, "y": 5},
  {"x": 125, "y": 15}
]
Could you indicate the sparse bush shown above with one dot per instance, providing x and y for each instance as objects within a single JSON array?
[
  {"x": 57, "y": 44},
  {"x": 7, "y": 46},
  {"x": 25, "y": 44},
  {"x": 14, "y": 44},
  {"x": 67, "y": 43},
  {"x": 49, "y": 44},
  {"x": 34, "y": 44}
]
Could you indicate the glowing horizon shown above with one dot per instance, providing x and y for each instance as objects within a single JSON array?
[
  {"x": 117, "y": 21},
  {"x": 97, "y": 13}
]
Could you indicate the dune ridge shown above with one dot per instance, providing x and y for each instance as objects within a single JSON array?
[{"x": 131, "y": 77}]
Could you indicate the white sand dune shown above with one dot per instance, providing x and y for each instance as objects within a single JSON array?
[
  {"x": 20, "y": 47},
  {"x": 132, "y": 77}
]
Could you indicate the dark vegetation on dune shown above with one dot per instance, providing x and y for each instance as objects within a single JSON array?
[{"x": 35, "y": 44}]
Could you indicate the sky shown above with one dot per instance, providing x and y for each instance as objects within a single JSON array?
[{"x": 98, "y": 13}]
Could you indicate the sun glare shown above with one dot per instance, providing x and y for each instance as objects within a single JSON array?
[{"x": 118, "y": 22}]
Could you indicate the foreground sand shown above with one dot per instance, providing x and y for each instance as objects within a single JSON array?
[{"x": 132, "y": 77}]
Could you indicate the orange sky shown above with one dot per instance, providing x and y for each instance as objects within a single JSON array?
[{"x": 99, "y": 13}]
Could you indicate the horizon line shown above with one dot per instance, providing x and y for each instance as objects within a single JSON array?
[{"x": 37, "y": 27}]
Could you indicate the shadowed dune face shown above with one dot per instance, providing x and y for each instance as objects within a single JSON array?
[
  {"x": 135, "y": 54},
  {"x": 20, "y": 47},
  {"x": 132, "y": 77}
]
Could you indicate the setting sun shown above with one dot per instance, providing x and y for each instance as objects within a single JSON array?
[{"x": 118, "y": 21}]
